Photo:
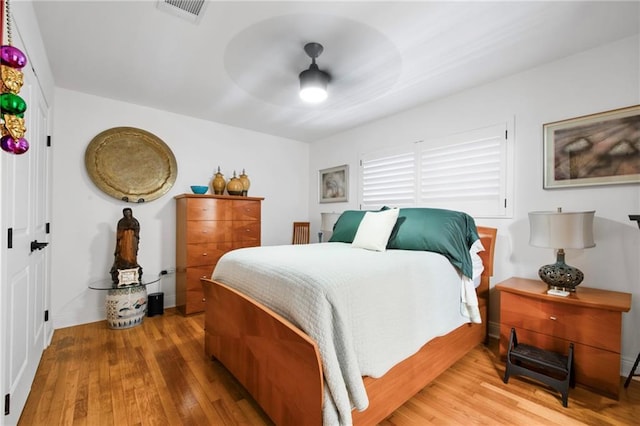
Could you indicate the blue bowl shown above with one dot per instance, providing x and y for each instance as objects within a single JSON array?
[{"x": 197, "y": 189}]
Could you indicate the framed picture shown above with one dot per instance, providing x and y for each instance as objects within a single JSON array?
[
  {"x": 334, "y": 184},
  {"x": 127, "y": 277},
  {"x": 596, "y": 149}
]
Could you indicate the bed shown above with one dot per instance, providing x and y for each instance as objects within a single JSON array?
[{"x": 302, "y": 377}]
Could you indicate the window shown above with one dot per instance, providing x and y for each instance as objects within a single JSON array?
[{"x": 465, "y": 171}]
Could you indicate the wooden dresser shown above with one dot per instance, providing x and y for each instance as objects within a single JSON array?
[
  {"x": 590, "y": 318},
  {"x": 208, "y": 226}
]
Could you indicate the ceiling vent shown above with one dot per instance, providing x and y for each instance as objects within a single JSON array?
[{"x": 191, "y": 10}]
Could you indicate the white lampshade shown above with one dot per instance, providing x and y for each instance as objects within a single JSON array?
[
  {"x": 561, "y": 230},
  {"x": 328, "y": 221}
]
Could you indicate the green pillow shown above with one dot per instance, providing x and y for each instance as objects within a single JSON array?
[
  {"x": 344, "y": 231},
  {"x": 448, "y": 232}
]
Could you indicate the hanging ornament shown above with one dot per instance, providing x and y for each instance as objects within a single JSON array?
[
  {"x": 12, "y": 60},
  {"x": 12, "y": 104},
  {"x": 12, "y": 56},
  {"x": 14, "y": 126},
  {"x": 12, "y": 79},
  {"x": 14, "y": 146}
]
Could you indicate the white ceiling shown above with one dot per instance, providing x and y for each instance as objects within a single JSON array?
[{"x": 239, "y": 63}]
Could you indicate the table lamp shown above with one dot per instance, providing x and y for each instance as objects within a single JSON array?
[
  {"x": 328, "y": 221},
  {"x": 561, "y": 230}
]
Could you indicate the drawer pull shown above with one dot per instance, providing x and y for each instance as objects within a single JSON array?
[
  {"x": 248, "y": 230},
  {"x": 204, "y": 254},
  {"x": 204, "y": 300},
  {"x": 552, "y": 318}
]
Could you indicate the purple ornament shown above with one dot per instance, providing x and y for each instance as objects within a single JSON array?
[
  {"x": 21, "y": 146},
  {"x": 12, "y": 57},
  {"x": 6, "y": 143},
  {"x": 13, "y": 146}
]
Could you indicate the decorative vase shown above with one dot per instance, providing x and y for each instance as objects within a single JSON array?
[
  {"x": 218, "y": 183},
  {"x": 234, "y": 186},
  {"x": 246, "y": 183},
  {"x": 126, "y": 306}
]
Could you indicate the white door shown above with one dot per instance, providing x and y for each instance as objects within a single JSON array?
[{"x": 24, "y": 292}]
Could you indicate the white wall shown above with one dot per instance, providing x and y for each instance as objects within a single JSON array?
[
  {"x": 84, "y": 218},
  {"x": 597, "y": 80}
]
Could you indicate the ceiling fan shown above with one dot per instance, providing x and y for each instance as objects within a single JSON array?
[{"x": 313, "y": 81}]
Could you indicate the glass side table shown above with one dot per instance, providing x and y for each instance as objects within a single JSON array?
[{"x": 125, "y": 306}]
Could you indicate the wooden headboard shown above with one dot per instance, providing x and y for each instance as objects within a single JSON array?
[{"x": 488, "y": 239}]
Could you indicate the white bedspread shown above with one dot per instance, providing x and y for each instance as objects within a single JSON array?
[{"x": 366, "y": 310}]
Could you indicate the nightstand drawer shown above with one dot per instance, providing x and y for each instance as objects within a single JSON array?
[{"x": 577, "y": 324}]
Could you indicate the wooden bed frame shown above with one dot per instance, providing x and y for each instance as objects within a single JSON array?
[{"x": 281, "y": 367}]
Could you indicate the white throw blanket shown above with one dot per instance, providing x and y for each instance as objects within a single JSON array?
[{"x": 366, "y": 310}]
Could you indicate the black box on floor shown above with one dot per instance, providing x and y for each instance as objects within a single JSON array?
[{"x": 155, "y": 304}]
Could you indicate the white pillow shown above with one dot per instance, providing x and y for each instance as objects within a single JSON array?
[{"x": 375, "y": 229}]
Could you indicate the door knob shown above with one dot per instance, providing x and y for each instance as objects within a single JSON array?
[{"x": 35, "y": 245}]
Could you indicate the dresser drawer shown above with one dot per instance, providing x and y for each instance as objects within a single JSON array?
[
  {"x": 195, "y": 294},
  {"x": 246, "y": 230},
  {"x": 209, "y": 231},
  {"x": 577, "y": 324},
  {"x": 246, "y": 210},
  {"x": 206, "y": 254},
  {"x": 208, "y": 209},
  {"x": 194, "y": 274}
]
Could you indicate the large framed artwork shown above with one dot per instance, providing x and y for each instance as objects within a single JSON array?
[
  {"x": 334, "y": 184},
  {"x": 596, "y": 149}
]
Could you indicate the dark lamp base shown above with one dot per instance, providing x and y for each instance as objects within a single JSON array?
[{"x": 561, "y": 276}]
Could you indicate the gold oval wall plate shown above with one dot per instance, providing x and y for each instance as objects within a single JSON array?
[{"x": 131, "y": 164}]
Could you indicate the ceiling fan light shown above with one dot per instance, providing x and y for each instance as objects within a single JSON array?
[
  {"x": 313, "y": 95},
  {"x": 313, "y": 85}
]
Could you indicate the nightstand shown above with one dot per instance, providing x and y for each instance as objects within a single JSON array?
[{"x": 590, "y": 318}]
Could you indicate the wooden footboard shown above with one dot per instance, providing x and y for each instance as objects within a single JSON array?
[
  {"x": 276, "y": 362},
  {"x": 281, "y": 367}
]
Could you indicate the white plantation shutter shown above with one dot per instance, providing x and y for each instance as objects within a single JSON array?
[
  {"x": 465, "y": 172},
  {"x": 389, "y": 179}
]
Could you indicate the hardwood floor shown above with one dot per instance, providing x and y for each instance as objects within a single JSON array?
[{"x": 157, "y": 374}]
